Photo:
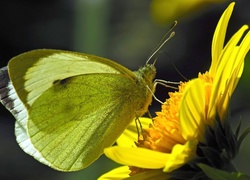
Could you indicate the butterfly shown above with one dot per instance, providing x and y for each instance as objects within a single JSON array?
[{"x": 69, "y": 106}]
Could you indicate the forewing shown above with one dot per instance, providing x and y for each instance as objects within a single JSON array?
[
  {"x": 73, "y": 121},
  {"x": 33, "y": 72}
]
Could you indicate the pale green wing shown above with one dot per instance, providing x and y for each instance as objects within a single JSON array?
[
  {"x": 73, "y": 121},
  {"x": 32, "y": 73},
  {"x": 35, "y": 74}
]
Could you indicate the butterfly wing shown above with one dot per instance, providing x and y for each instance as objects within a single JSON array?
[
  {"x": 33, "y": 72},
  {"x": 41, "y": 126},
  {"x": 10, "y": 100},
  {"x": 72, "y": 122}
]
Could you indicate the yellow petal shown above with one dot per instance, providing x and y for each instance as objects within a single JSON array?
[
  {"x": 243, "y": 50},
  {"x": 130, "y": 135},
  {"x": 180, "y": 155},
  {"x": 219, "y": 37},
  {"x": 116, "y": 174},
  {"x": 227, "y": 63},
  {"x": 138, "y": 157},
  {"x": 239, "y": 54},
  {"x": 192, "y": 108}
]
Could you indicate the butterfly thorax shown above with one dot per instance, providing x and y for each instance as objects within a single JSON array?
[
  {"x": 146, "y": 74},
  {"x": 145, "y": 77}
]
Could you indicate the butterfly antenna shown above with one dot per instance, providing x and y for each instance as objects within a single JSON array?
[{"x": 163, "y": 41}]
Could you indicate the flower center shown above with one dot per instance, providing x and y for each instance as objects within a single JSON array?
[{"x": 165, "y": 131}]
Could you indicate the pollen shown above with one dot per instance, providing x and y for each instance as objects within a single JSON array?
[{"x": 165, "y": 131}]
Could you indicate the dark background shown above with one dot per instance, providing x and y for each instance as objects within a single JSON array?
[{"x": 123, "y": 31}]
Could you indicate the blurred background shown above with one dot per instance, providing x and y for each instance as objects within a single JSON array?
[{"x": 126, "y": 32}]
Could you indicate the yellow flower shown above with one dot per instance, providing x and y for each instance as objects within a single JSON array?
[
  {"x": 177, "y": 136},
  {"x": 216, "y": 86}
]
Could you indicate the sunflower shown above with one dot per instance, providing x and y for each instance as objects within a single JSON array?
[{"x": 192, "y": 127}]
